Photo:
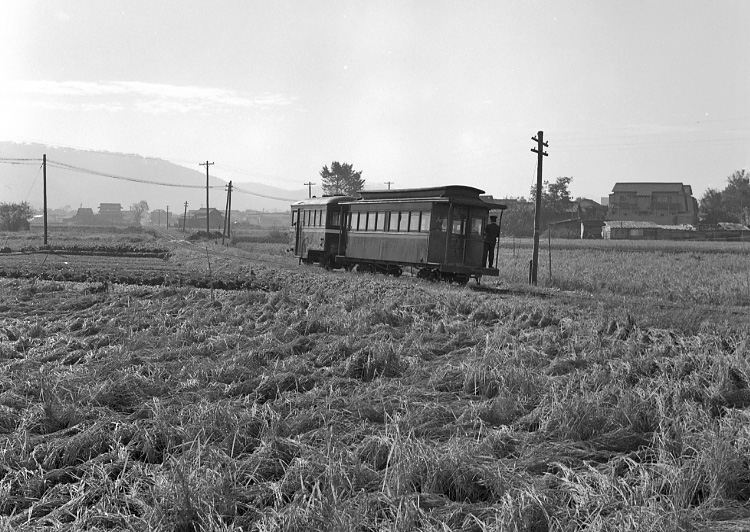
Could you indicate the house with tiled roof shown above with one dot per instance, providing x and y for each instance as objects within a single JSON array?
[{"x": 660, "y": 203}]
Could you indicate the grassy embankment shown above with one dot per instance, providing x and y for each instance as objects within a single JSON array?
[{"x": 356, "y": 402}]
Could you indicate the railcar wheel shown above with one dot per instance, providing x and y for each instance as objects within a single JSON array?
[
  {"x": 396, "y": 271},
  {"x": 461, "y": 279}
]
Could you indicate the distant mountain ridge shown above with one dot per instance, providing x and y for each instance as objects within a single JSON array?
[{"x": 76, "y": 188}]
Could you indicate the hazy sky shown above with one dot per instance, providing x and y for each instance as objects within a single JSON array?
[{"x": 419, "y": 93}]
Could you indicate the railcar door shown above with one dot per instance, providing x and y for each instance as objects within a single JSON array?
[
  {"x": 298, "y": 221},
  {"x": 457, "y": 233},
  {"x": 438, "y": 233},
  {"x": 474, "y": 237}
]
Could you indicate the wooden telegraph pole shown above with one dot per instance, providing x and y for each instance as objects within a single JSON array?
[
  {"x": 227, "y": 214},
  {"x": 44, "y": 176},
  {"x": 208, "y": 228},
  {"x": 541, "y": 154},
  {"x": 389, "y": 183},
  {"x": 309, "y": 189},
  {"x": 184, "y": 218}
]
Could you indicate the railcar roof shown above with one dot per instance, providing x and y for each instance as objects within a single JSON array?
[
  {"x": 460, "y": 193},
  {"x": 447, "y": 191},
  {"x": 324, "y": 200}
]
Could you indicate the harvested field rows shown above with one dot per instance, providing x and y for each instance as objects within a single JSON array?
[
  {"x": 138, "y": 269},
  {"x": 336, "y": 401}
]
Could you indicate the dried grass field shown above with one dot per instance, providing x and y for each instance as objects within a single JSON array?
[{"x": 313, "y": 400}]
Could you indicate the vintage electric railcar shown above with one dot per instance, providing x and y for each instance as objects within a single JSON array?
[{"x": 437, "y": 231}]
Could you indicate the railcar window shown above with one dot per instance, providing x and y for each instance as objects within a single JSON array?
[
  {"x": 414, "y": 221},
  {"x": 356, "y": 225},
  {"x": 424, "y": 225},
  {"x": 295, "y": 216},
  {"x": 380, "y": 221},
  {"x": 476, "y": 226},
  {"x": 370, "y": 221},
  {"x": 393, "y": 221},
  {"x": 403, "y": 221},
  {"x": 322, "y": 218},
  {"x": 441, "y": 223},
  {"x": 306, "y": 218},
  {"x": 315, "y": 218},
  {"x": 335, "y": 218},
  {"x": 459, "y": 221}
]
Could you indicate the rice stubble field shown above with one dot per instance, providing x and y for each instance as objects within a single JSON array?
[{"x": 313, "y": 400}]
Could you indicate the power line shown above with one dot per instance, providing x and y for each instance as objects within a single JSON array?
[
  {"x": 72, "y": 168},
  {"x": 63, "y": 166},
  {"x": 19, "y": 161},
  {"x": 235, "y": 188}
]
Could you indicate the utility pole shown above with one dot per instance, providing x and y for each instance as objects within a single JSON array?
[
  {"x": 541, "y": 154},
  {"x": 389, "y": 183},
  {"x": 44, "y": 175},
  {"x": 208, "y": 228},
  {"x": 309, "y": 189},
  {"x": 227, "y": 213},
  {"x": 184, "y": 218},
  {"x": 167, "y": 217}
]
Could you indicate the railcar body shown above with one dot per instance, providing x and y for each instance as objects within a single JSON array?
[
  {"x": 317, "y": 229},
  {"x": 438, "y": 231}
]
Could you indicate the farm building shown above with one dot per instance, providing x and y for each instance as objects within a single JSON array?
[
  {"x": 727, "y": 231},
  {"x": 159, "y": 217},
  {"x": 589, "y": 210},
  {"x": 197, "y": 219},
  {"x": 110, "y": 212},
  {"x": 83, "y": 216},
  {"x": 659, "y": 203},
  {"x": 635, "y": 230},
  {"x": 576, "y": 228}
]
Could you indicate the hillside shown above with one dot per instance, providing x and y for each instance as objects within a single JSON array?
[{"x": 81, "y": 189}]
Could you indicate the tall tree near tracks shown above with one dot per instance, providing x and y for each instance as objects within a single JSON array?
[
  {"x": 139, "y": 209},
  {"x": 341, "y": 179}
]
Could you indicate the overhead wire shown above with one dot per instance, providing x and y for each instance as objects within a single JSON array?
[
  {"x": 63, "y": 166},
  {"x": 238, "y": 189}
]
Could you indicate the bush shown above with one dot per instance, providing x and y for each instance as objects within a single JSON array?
[{"x": 15, "y": 216}]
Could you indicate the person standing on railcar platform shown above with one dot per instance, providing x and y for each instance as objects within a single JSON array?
[{"x": 491, "y": 234}]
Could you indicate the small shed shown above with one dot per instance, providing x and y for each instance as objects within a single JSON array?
[
  {"x": 591, "y": 229},
  {"x": 629, "y": 230}
]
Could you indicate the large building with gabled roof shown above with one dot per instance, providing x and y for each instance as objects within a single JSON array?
[{"x": 660, "y": 203}]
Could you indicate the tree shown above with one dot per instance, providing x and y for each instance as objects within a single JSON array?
[
  {"x": 518, "y": 219},
  {"x": 15, "y": 216},
  {"x": 731, "y": 204},
  {"x": 139, "y": 209},
  {"x": 556, "y": 198},
  {"x": 713, "y": 208},
  {"x": 341, "y": 179}
]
